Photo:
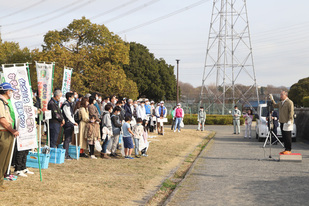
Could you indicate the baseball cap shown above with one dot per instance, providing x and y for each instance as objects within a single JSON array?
[
  {"x": 161, "y": 102},
  {"x": 6, "y": 86},
  {"x": 178, "y": 104}
]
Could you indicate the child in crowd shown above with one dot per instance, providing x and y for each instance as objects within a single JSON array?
[
  {"x": 248, "y": 121},
  {"x": 138, "y": 131},
  {"x": 92, "y": 134},
  {"x": 201, "y": 118},
  {"x": 127, "y": 139}
]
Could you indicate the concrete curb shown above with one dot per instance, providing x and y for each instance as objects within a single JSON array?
[{"x": 171, "y": 196}]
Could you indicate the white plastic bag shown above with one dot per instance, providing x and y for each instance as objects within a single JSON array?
[
  {"x": 182, "y": 125},
  {"x": 97, "y": 146}
]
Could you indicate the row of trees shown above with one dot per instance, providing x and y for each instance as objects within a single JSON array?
[
  {"x": 299, "y": 93},
  {"x": 102, "y": 62}
]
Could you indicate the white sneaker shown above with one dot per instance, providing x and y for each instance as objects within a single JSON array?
[
  {"x": 178, "y": 130},
  {"x": 20, "y": 173},
  {"x": 174, "y": 130},
  {"x": 108, "y": 152},
  {"x": 93, "y": 157},
  {"x": 26, "y": 171}
]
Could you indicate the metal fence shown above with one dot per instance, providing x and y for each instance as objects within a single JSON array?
[{"x": 193, "y": 108}]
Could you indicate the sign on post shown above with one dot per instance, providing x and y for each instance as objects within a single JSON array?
[
  {"x": 23, "y": 107},
  {"x": 66, "y": 83},
  {"x": 45, "y": 81}
]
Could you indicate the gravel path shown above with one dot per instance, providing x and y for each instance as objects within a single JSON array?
[{"x": 230, "y": 172}]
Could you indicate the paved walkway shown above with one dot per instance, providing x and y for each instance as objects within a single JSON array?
[{"x": 230, "y": 172}]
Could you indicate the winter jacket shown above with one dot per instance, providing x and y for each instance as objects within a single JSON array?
[
  {"x": 53, "y": 105},
  {"x": 201, "y": 116},
  {"x": 127, "y": 109},
  {"x": 116, "y": 124}
]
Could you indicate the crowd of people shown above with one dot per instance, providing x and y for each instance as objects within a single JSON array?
[
  {"x": 101, "y": 123},
  {"x": 104, "y": 120}
]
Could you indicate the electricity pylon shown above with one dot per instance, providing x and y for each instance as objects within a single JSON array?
[{"x": 229, "y": 75}]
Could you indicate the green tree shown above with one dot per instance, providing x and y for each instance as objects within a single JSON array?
[
  {"x": 95, "y": 54},
  {"x": 155, "y": 79},
  {"x": 10, "y": 52},
  {"x": 299, "y": 90},
  {"x": 306, "y": 101}
]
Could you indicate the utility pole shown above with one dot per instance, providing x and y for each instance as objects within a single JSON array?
[{"x": 177, "y": 89}]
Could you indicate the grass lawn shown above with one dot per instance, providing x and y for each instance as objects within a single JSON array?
[{"x": 105, "y": 182}]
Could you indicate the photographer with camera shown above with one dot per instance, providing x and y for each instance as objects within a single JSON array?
[{"x": 286, "y": 112}]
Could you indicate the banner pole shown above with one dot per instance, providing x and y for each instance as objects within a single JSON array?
[
  {"x": 13, "y": 147},
  {"x": 39, "y": 128}
]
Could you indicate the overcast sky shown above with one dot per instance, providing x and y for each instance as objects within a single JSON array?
[{"x": 279, "y": 30}]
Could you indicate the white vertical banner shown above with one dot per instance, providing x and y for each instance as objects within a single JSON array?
[
  {"x": 45, "y": 82},
  {"x": 22, "y": 103},
  {"x": 66, "y": 83}
]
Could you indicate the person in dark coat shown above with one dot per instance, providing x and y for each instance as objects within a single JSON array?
[{"x": 57, "y": 120}]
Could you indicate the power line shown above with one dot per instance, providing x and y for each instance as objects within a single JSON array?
[
  {"x": 164, "y": 17},
  {"x": 113, "y": 9},
  {"x": 23, "y": 9},
  {"x": 40, "y": 16},
  {"x": 52, "y": 18},
  {"x": 131, "y": 11}
]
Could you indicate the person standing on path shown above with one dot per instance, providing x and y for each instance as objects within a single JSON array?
[
  {"x": 236, "y": 119},
  {"x": 201, "y": 118},
  {"x": 286, "y": 112},
  {"x": 179, "y": 114},
  {"x": 248, "y": 122},
  {"x": 7, "y": 133}
]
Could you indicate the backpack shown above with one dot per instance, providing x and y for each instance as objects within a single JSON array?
[{"x": 77, "y": 116}]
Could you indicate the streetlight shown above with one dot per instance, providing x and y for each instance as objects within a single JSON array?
[{"x": 177, "y": 89}]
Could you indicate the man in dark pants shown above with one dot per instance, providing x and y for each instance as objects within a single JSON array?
[
  {"x": 67, "y": 109},
  {"x": 7, "y": 133},
  {"x": 286, "y": 112},
  {"x": 57, "y": 120}
]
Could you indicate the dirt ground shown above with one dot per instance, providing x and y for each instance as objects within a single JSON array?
[{"x": 105, "y": 182}]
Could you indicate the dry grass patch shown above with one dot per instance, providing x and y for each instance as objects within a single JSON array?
[{"x": 105, "y": 182}]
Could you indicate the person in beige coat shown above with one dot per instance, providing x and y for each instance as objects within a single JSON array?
[
  {"x": 286, "y": 119},
  {"x": 82, "y": 109}
]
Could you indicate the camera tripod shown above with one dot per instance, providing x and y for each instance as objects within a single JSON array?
[{"x": 270, "y": 132}]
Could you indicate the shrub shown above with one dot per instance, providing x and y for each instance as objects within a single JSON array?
[
  {"x": 210, "y": 120},
  {"x": 306, "y": 101}
]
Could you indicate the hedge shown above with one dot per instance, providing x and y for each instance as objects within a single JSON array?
[{"x": 210, "y": 120}]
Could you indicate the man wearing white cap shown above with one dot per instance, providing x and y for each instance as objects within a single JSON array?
[
  {"x": 161, "y": 113},
  {"x": 179, "y": 114}
]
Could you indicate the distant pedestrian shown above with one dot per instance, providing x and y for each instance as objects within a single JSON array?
[
  {"x": 179, "y": 115},
  {"x": 201, "y": 118},
  {"x": 248, "y": 122},
  {"x": 236, "y": 119}
]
